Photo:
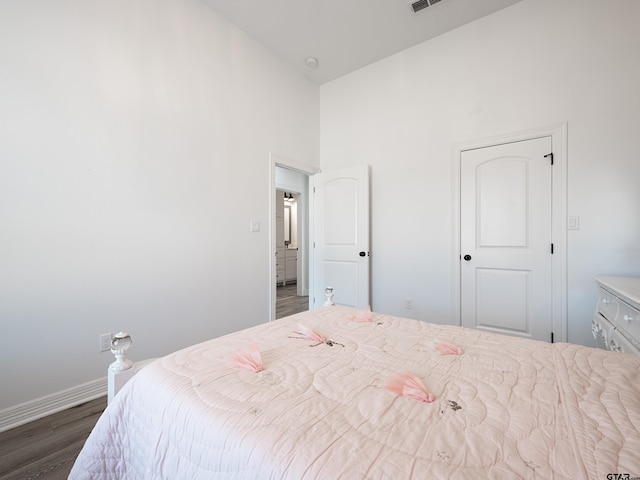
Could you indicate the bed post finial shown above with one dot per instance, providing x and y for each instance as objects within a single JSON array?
[
  {"x": 328, "y": 292},
  {"x": 119, "y": 345}
]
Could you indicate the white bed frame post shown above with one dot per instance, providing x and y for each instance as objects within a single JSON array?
[
  {"x": 116, "y": 380},
  {"x": 123, "y": 369}
]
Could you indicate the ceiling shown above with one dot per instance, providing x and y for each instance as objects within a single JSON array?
[{"x": 344, "y": 35}]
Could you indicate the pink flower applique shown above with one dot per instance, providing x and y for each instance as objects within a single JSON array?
[
  {"x": 446, "y": 348},
  {"x": 408, "y": 385},
  {"x": 248, "y": 359},
  {"x": 362, "y": 315},
  {"x": 307, "y": 334}
]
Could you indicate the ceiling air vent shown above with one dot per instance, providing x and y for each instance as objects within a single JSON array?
[{"x": 422, "y": 4}]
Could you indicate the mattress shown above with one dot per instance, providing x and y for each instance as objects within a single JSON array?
[{"x": 503, "y": 408}]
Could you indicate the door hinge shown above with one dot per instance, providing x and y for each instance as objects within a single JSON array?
[
  {"x": 552, "y": 249},
  {"x": 550, "y": 156},
  {"x": 551, "y": 337}
]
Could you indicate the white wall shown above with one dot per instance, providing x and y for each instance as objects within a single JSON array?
[
  {"x": 535, "y": 64},
  {"x": 128, "y": 129},
  {"x": 134, "y": 152}
]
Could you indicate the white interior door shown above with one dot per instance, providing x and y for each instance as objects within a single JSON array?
[
  {"x": 505, "y": 235},
  {"x": 341, "y": 236}
]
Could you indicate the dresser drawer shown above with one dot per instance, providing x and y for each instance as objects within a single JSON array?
[
  {"x": 619, "y": 303},
  {"x": 618, "y": 343},
  {"x": 607, "y": 304},
  {"x": 601, "y": 329},
  {"x": 628, "y": 319}
]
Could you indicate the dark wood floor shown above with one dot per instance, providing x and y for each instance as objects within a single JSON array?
[
  {"x": 47, "y": 448},
  {"x": 288, "y": 303}
]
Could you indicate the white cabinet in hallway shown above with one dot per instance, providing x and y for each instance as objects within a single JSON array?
[{"x": 290, "y": 264}]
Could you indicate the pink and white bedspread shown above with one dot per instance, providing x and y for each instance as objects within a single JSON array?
[{"x": 503, "y": 408}]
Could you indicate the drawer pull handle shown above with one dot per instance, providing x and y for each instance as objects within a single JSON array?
[
  {"x": 628, "y": 318},
  {"x": 606, "y": 301}
]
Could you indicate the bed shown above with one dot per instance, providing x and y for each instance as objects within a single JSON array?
[{"x": 497, "y": 407}]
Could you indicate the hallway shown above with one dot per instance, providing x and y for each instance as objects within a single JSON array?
[{"x": 288, "y": 302}]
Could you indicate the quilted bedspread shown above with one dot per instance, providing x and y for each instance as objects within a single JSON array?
[{"x": 506, "y": 408}]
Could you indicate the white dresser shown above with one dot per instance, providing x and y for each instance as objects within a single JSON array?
[{"x": 616, "y": 321}]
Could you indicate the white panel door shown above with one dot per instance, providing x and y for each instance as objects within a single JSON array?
[
  {"x": 341, "y": 236},
  {"x": 505, "y": 239}
]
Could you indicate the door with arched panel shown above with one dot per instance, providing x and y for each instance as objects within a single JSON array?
[{"x": 505, "y": 238}]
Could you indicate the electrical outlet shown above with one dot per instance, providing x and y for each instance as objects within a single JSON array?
[
  {"x": 105, "y": 342},
  {"x": 408, "y": 303}
]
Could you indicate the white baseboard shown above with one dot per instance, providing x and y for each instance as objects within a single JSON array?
[{"x": 41, "y": 407}]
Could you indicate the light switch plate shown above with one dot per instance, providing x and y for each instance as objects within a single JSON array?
[{"x": 573, "y": 223}]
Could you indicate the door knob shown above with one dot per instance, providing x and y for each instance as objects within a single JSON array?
[
  {"x": 467, "y": 257},
  {"x": 362, "y": 254}
]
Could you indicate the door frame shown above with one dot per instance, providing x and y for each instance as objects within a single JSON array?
[
  {"x": 558, "y": 134},
  {"x": 280, "y": 161}
]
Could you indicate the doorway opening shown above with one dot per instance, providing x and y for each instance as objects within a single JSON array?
[
  {"x": 289, "y": 240},
  {"x": 291, "y": 294}
]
